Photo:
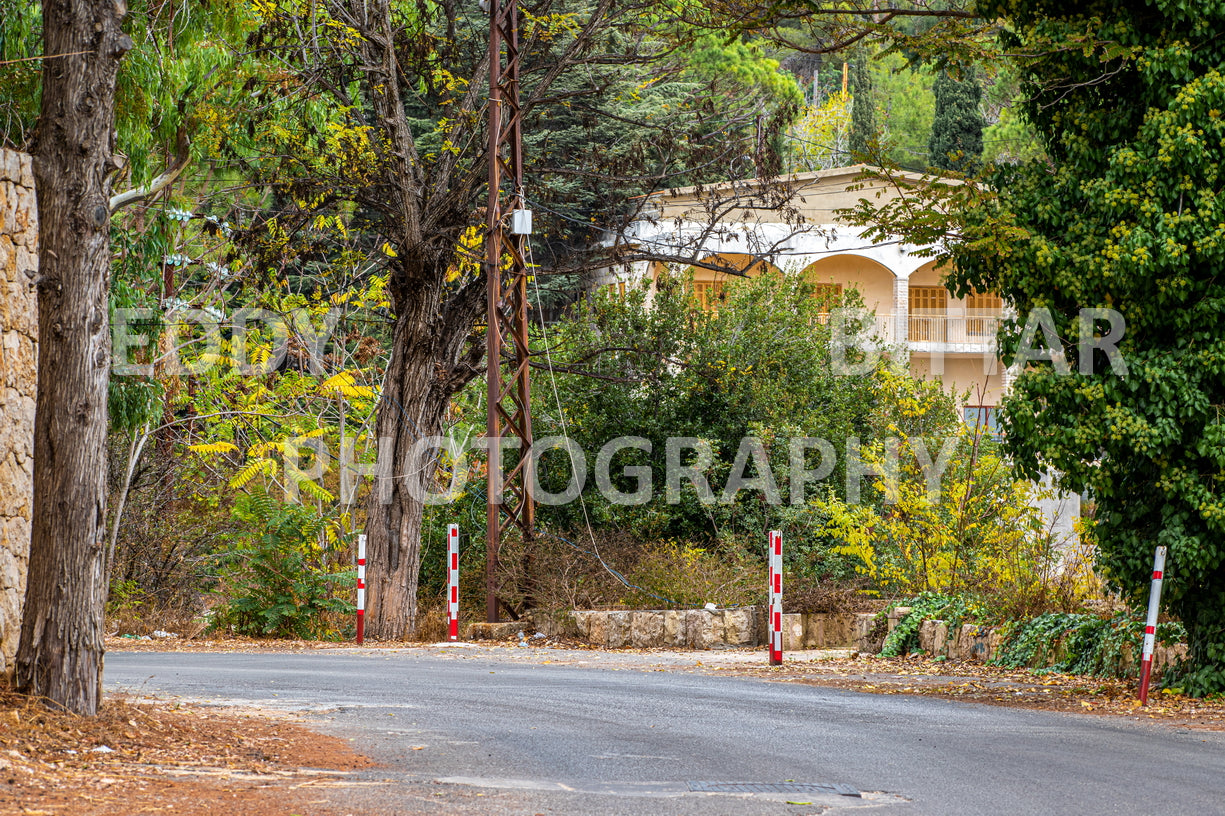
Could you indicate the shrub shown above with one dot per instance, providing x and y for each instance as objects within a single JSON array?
[
  {"x": 611, "y": 568},
  {"x": 679, "y": 574},
  {"x": 274, "y": 580},
  {"x": 977, "y": 533}
]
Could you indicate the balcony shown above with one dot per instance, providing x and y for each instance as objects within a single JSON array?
[
  {"x": 879, "y": 327},
  {"x": 946, "y": 334},
  {"x": 962, "y": 333}
]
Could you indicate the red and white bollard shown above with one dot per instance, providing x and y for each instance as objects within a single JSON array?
[
  {"x": 776, "y": 598},
  {"x": 453, "y": 582},
  {"x": 361, "y": 588},
  {"x": 1150, "y": 625}
]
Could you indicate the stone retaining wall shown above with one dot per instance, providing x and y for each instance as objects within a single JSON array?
[
  {"x": 18, "y": 355},
  {"x": 970, "y": 641},
  {"x": 679, "y": 628},
  {"x": 982, "y": 643}
]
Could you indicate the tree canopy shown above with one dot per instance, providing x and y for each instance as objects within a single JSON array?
[{"x": 1128, "y": 99}]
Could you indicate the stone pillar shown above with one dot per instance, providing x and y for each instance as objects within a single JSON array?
[{"x": 18, "y": 354}]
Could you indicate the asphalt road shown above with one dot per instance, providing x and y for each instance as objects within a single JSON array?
[{"x": 504, "y": 734}]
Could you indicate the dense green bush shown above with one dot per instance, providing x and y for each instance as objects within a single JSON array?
[
  {"x": 759, "y": 366},
  {"x": 275, "y": 579}
]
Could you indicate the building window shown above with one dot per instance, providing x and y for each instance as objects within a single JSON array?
[
  {"x": 829, "y": 295},
  {"x": 928, "y": 309},
  {"x": 617, "y": 289},
  {"x": 827, "y": 292},
  {"x": 708, "y": 295},
  {"x": 984, "y": 418}
]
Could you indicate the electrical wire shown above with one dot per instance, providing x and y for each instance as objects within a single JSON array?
[
  {"x": 614, "y": 572},
  {"x": 561, "y": 416},
  {"x": 778, "y": 252},
  {"x": 478, "y": 493}
]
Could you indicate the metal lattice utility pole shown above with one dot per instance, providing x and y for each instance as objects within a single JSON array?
[{"x": 509, "y": 501}]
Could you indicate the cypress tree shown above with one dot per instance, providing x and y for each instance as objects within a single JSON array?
[
  {"x": 863, "y": 120},
  {"x": 957, "y": 130}
]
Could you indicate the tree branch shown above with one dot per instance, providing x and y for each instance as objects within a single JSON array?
[{"x": 177, "y": 166}]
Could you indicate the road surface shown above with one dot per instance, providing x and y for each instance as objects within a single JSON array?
[{"x": 548, "y": 731}]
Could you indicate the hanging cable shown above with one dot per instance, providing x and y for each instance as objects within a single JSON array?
[{"x": 561, "y": 416}]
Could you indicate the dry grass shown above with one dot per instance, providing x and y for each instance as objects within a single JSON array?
[
  {"x": 184, "y": 623},
  {"x": 431, "y": 625},
  {"x": 558, "y": 575},
  {"x": 830, "y": 597}
]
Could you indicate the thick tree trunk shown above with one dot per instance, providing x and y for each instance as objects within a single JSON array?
[
  {"x": 421, "y": 378},
  {"x": 60, "y": 654},
  {"x": 431, "y": 359}
]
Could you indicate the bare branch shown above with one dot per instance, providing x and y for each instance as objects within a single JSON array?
[{"x": 177, "y": 166}]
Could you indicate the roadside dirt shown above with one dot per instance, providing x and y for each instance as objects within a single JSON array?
[
  {"x": 973, "y": 682},
  {"x": 154, "y": 757}
]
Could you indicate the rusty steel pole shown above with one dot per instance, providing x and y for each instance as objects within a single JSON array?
[{"x": 509, "y": 503}]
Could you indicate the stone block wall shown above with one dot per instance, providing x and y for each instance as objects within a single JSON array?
[
  {"x": 746, "y": 627},
  {"x": 18, "y": 355},
  {"x": 678, "y": 629}
]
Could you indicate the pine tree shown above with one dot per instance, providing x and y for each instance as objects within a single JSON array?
[{"x": 957, "y": 130}]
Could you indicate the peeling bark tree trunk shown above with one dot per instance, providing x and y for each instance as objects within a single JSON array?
[{"x": 61, "y": 649}]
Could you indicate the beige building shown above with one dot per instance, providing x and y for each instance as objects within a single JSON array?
[{"x": 790, "y": 225}]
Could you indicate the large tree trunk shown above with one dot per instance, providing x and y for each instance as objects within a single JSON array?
[
  {"x": 60, "y": 654},
  {"x": 428, "y": 366}
]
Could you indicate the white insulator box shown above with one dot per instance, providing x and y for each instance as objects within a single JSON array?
[{"x": 521, "y": 222}]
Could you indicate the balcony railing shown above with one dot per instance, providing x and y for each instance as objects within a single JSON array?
[
  {"x": 972, "y": 332},
  {"x": 953, "y": 330},
  {"x": 883, "y": 323}
]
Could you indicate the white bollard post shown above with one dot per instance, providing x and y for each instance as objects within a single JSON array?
[
  {"x": 453, "y": 582},
  {"x": 361, "y": 588},
  {"x": 776, "y": 598},
  {"x": 1150, "y": 625}
]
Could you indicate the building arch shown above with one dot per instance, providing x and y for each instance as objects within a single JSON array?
[
  {"x": 929, "y": 283},
  {"x": 873, "y": 280},
  {"x": 929, "y": 274}
]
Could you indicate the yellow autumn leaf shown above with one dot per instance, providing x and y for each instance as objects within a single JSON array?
[
  {"x": 345, "y": 384},
  {"x": 242, "y": 477},
  {"x": 263, "y": 449},
  {"x": 315, "y": 490},
  {"x": 213, "y": 448}
]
